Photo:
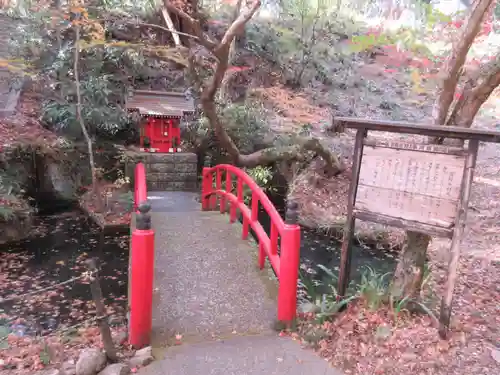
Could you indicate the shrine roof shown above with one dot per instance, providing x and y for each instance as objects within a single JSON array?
[{"x": 160, "y": 103}]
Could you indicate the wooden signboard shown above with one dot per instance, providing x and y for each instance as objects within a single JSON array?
[
  {"x": 406, "y": 183},
  {"x": 419, "y": 187}
]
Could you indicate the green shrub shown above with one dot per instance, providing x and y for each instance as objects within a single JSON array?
[
  {"x": 245, "y": 123},
  {"x": 374, "y": 287},
  {"x": 46, "y": 50},
  {"x": 303, "y": 41},
  {"x": 100, "y": 114}
]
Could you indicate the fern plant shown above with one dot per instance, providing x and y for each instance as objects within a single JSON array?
[
  {"x": 6, "y": 213},
  {"x": 373, "y": 287},
  {"x": 45, "y": 353},
  {"x": 328, "y": 303},
  {"x": 261, "y": 175},
  {"x": 399, "y": 306},
  {"x": 127, "y": 200}
]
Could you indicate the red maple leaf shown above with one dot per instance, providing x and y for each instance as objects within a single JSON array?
[{"x": 234, "y": 69}]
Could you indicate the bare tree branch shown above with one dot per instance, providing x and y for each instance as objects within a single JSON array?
[
  {"x": 79, "y": 104},
  {"x": 88, "y": 140},
  {"x": 159, "y": 27},
  {"x": 221, "y": 52},
  {"x": 295, "y": 152},
  {"x": 236, "y": 28},
  {"x": 455, "y": 62},
  {"x": 237, "y": 11},
  {"x": 476, "y": 91},
  {"x": 194, "y": 24},
  {"x": 232, "y": 51},
  {"x": 171, "y": 27}
]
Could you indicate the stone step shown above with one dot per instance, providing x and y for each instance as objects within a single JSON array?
[{"x": 250, "y": 355}]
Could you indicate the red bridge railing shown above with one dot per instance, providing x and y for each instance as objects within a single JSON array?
[
  {"x": 285, "y": 262},
  {"x": 141, "y": 265},
  {"x": 140, "y": 186}
]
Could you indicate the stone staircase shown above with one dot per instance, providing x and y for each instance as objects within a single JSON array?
[{"x": 9, "y": 85}]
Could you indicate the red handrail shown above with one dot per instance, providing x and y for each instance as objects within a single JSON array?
[
  {"x": 141, "y": 267},
  {"x": 286, "y": 263},
  {"x": 140, "y": 190}
]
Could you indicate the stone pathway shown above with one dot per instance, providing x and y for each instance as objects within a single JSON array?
[
  {"x": 8, "y": 95},
  {"x": 258, "y": 355},
  {"x": 208, "y": 289}
]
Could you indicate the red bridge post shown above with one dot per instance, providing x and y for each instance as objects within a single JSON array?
[
  {"x": 206, "y": 189},
  {"x": 141, "y": 266},
  {"x": 289, "y": 265}
]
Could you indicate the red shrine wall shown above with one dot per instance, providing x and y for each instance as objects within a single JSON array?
[{"x": 163, "y": 134}]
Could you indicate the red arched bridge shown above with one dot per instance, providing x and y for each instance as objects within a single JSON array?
[{"x": 197, "y": 279}]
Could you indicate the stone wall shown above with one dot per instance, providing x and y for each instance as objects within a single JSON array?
[
  {"x": 17, "y": 226},
  {"x": 167, "y": 172}
]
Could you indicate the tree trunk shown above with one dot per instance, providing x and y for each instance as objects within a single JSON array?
[
  {"x": 95, "y": 182},
  {"x": 410, "y": 270},
  {"x": 221, "y": 51},
  {"x": 232, "y": 53},
  {"x": 454, "y": 64},
  {"x": 408, "y": 277},
  {"x": 476, "y": 91}
]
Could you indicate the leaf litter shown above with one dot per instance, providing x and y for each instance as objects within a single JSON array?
[
  {"x": 361, "y": 341},
  {"x": 37, "y": 325}
]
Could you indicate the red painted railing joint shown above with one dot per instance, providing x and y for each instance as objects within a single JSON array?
[{"x": 140, "y": 186}]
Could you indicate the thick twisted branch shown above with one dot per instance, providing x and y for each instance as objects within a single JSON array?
[
  {"x": 221, "y": 51},
  {"x": 455, "y": 62},
  {"x": 476, "y": 91},
  {"x": 194, "y": 25}
]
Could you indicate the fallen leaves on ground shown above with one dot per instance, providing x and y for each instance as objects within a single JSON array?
[
  {"x": 365, "y": 342},
  {"x": 115, "y": 210},
  {"x": 28, "y": 354},
  {"x": 24, "y": 126},
  {"x": 361, "y": 341},
  {"x": 56, "y": 252}
]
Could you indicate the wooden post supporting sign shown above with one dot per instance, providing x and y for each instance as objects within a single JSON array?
[
  {"x": 349, "y": 226},
  {"x": 458, "y": 231},
  {"x": 96, "y": 291}
]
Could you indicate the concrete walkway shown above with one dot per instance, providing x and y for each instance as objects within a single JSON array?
[{"x": 209, "y": 289}]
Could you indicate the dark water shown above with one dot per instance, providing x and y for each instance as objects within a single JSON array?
[
  {"x": 318, "y": 248},
  {"x": 62, "y": 243},
  {"x": 55, "y": 253}
]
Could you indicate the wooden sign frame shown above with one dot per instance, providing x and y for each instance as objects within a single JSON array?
[{"x": 431, "y": 203}]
